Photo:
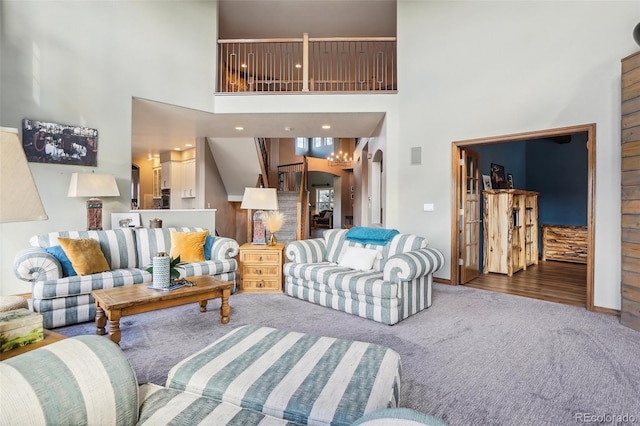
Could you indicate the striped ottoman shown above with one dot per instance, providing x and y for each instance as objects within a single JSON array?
[{"x": 293, "y": 376}]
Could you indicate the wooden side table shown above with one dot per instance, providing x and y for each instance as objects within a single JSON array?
[
  {"x": 261, "y": 268},
  {"x": 49, "y": 337}
]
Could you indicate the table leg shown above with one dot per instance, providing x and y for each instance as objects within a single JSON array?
[
  {"x": 101, "y": 320},
  {"x": 225, "y": 309},
  {"x": 114, "y": 327},
  {"x": 203, "y": 305}
]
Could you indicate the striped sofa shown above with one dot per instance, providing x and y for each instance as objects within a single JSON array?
[
  {"x": 398, "y": 285},
  {"x": 252, "y": 376},
  {"x": 64, "y": 300}
]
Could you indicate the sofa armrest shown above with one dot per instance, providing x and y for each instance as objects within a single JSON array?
[
  {"x": 224, "y": 248},
  {"x": 307, "y": 251},
  {"x": 35, "y": 264},
  {"x": 80, "y": 380},
  {"x": 398, "y": 417},
  {"x": 412, "y": 264}
]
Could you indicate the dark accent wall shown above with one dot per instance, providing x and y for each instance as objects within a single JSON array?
[{"x": 559, "y": 172}]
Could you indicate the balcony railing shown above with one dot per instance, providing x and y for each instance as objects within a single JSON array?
[{"x": 307, "y": 65}]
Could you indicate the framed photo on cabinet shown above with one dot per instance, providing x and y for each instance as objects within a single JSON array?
[
  {"x": 498, "y": 178},
  {"x": 486, "y": 182}
]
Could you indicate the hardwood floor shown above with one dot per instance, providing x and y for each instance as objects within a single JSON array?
[{"x": 561, "y": 282}]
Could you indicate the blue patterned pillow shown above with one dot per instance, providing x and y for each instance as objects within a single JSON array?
[
  {"x": 207, "y": 246},
  {"x": 58, "y": 253}
]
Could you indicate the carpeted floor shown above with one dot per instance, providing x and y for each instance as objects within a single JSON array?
[{"x": 473, "y": 358}]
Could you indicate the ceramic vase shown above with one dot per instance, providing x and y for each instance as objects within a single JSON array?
[{"x": 161, "y": 274}]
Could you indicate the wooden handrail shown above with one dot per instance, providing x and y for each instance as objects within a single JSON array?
[
  {"x": 263, "y": 158},
  {"x": 299, "y": 39},
  {"x": 303, "y": 204}
]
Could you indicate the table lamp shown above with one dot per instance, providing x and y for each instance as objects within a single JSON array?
[
  {"x": 93, "y": 185},
  {"x": 19, "y": 197},
  {"x": 259, "y": 199}
]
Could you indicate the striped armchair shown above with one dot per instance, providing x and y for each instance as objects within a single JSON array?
[
  {"x": 65, "y": 299},
  {"x": 396, "y": 284}
]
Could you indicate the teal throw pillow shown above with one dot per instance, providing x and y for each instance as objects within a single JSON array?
[
  {"x": 58, "y": 253},
  {"x": 207, "y": 247}
]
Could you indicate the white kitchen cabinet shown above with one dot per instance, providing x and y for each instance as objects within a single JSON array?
[
  {"x": 189, "y": 178},
  {"x": 167, "y": 168}
]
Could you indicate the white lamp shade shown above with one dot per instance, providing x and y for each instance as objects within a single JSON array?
[
  {"x": 19, "y": 197},
  {"x": 260, "y": 199},
  {"x": 92, "y": 185}
]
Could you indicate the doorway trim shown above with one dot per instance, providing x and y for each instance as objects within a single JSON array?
[{"x": 456, "y": 146}]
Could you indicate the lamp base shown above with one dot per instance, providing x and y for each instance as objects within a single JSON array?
[
  {"x": 259, "y": 231},
  {"x": 94, "y": 214}
]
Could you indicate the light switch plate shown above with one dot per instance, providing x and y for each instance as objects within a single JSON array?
[{"x": 429, "y": 207}]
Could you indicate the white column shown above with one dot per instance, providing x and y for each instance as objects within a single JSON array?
[{"x": 305, "y": 62}]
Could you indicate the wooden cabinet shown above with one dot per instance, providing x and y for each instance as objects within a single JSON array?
[
  {"x": 566, "y": 243},
  {"x": 630, "y": 202},
  {"x": 261, "y": 268},
  {"x": 530, "y": 230},
  {"x": 189, "y": 178},
  {"x": 510, "y": 230}
]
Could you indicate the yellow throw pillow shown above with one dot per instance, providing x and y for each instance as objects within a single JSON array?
[
  {"x": 188, "y": 245},
  {"x": 85, "y": 255}
]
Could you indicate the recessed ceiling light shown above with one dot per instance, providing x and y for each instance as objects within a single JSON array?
[
  {"x": 326, "y": 126},
  {"x": 288, "y": 129},
  {"x": 239, "y": 128},
  {"x": 177, "y": 149},
  {"x": 188, "y": 145}
]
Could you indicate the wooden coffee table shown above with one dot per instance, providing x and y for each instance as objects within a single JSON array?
[{"x": 117, "y": 302}]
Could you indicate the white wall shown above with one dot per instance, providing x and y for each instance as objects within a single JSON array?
[
  {"x": 476, "y": 69},
  {"x": 84, "y": 61},
  {"x": 466, "y": 70}
]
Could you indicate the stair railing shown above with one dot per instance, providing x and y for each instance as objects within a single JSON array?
[
  {"x": 303, "y": 202},
  {"x": 287, "y": 176}
]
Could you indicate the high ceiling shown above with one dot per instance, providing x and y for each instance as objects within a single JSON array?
[
  {"x": 242, "y": 19},
  {"x": 158, "y": 127}
]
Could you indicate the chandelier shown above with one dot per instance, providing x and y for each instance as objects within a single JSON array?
[{"x": 339, "y": 160}]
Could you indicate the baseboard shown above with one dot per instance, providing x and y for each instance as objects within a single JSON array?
[
  {"x": 441, "y": 280},
  {"x": 606, "y": 311}
]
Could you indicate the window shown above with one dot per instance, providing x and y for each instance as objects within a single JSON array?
[
  {"x": 324, "y": 199},
  {"x": 301, "y": 143},
  {"x": 317, "y": 147}
]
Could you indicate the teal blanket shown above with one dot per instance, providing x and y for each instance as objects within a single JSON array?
[{"x": 365, "y": 235}]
